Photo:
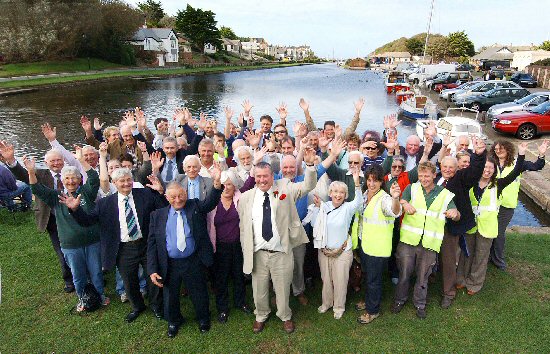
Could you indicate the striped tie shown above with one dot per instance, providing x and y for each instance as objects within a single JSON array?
[{"x": 133, "y": 231}]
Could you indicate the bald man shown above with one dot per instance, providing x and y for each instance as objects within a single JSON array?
[{"x": 413, "y": 151}]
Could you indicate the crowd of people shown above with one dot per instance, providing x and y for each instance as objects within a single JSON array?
[{"x": 190, "y": 208}]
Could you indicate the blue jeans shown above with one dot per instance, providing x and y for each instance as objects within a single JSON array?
[
  {"x": 85, "y": 261},
  {"x": 120, "y": 285},
  {"x": 23, "y": 190},
  {"x": 374, "y": 267}
]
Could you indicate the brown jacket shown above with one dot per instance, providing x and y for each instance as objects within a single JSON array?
[{"x": 115, "y": 149}]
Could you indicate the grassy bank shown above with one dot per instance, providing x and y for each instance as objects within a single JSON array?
[
  {"x": 134, "y": 73},
  {"x": 509, "y": 315},
  {"x": 49, "y": 67}
]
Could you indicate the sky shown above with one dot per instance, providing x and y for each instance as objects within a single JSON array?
[{"x": 351, "y": 28}]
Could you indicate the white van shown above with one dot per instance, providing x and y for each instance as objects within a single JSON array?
[{"x": 427, "y": 71}]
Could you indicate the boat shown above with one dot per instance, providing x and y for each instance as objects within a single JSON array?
[
  {"x": 456, "y": 124},
  {"x": 417, "y": 107},
  {"x": 396, "y": 81},
  {"x": 403, "y": 95}
]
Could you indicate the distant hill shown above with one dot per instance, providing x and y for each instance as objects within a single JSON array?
[{"x": 400, "y": 44}]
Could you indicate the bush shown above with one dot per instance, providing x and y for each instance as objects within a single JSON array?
[{"x": 542, "y": 62}]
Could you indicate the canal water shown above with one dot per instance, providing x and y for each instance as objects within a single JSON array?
[{"x": 329, "y": 90}]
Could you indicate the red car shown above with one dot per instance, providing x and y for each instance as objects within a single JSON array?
[
  {"x": 525, "y": 124},
  {"x": 441, "y": 87}
]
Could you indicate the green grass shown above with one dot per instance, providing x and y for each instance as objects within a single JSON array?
[
  {"x": 510, "y": 314},
  {"x": 134, "y": 73},
  {"x": 49, "y": 67}
]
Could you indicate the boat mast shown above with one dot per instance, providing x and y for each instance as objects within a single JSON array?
[{"x": 428, "y": 32}]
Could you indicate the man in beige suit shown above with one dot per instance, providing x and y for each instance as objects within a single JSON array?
[{"x": 267, "y": 242}]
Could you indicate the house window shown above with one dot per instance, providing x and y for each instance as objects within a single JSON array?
[{"x": 173, "y": 43}]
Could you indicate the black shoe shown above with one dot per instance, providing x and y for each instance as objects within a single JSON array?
[
  {"x": 158, "y": 314},
  {"x": 222, "y": 317},
  {"x": 68, "y": 288},
  {"x": 204, "y": 327},
  {"x": 246, "y": 309},
  {"x": 396, "y": 307},
  {"x": 421, "y": 313},
  {"x": 173, "y": 330},
  {"x": 131, "y": 317}
]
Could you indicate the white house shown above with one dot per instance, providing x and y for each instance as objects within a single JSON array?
[
  {"x": 163, "y": 40},
  {"x": 209, "y": 48},
  {"x": 232, "y": 45},
  {"x": 523, "y": 59},
  {"x": 250, "y": 46}
]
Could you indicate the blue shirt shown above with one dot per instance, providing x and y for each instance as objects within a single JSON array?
[
  {"x": 193, "y": 190},
  {"x": 301, "y": 204},
  {"x": 172, "y": 237},
  {"x": 165, "y": 169}
]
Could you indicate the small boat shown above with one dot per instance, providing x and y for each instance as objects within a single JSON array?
[
  {"x": 396, "y": 81},
  {"x": 403, "y": 95},
  {"x": 416, "y": 107}
]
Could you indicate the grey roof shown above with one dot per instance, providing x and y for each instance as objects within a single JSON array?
[
  {"x": 395, "y": 55},
  {"x": 157, "y": 34},
  {"x": 491, "y": 52},
  {"x": 233, "y": 42}
]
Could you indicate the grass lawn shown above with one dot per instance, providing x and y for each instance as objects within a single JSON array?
[
  {"x": 134, "y": 73},
  {"x": 510, "y": 314},
  {"x": 49, "y": 67}
]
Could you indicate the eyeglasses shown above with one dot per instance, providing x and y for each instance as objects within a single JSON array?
[
  {"x": 369, "y": 148},
  {"x": 396, "y": 167},
  {"x": 354, "y": 163},
  {"x": 280, "y": 132}
]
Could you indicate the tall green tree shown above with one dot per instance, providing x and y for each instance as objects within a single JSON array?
[
  {"x": 199, "y": 26},
  {"x": 415, "y": 46},
  {"x": 153, "y": 12},
  {"x": 459, "y": 45},
  {"x": 228, "y": 33},
  {"x": 545, "y": 45}
]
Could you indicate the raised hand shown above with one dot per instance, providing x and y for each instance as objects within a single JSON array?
[
  {"x": 241, "y": 119},
  {"x": 228, "y": 113},
  {"x": 253, "y": 139},
  {"x": 395, "y": 190},
  {"x": 310, "y": 156},
  {"x": 180, "y": 116},
  {"x": 282, "y": 110},
  {"x": 103, "y": 147},
  {"x": 370, "y": 143},
  {"x": 140, "y": 119},
  {"x": 478, "y": 144},
  {"x": 390, "y": 121},
  {"x": 247, "y": 106},
  {"x": 447, "y": 139},
  {"x": 157, "y": 161},
  {"x": 50, "y": 133},
  {"x": 142, "y": 146},
  {"x": 7, "y": 152},
  {"x": 337, "y": 146},
  {"x": 323, "y": 140},
  {"x": 428, "y": 145},
  {"x": 522, "y": 148},
  {"x": 304, "y": 105},
  {"x": 70, "y": 201},
  {"x": 259, "y": 155},
  {"x": 130, "y": 119},
  {"x": 78, "y": 153},
  {"x": 97, "y": 124},
  {"x": 202, "y": 121},
  {"x": 391, "y": 142},
  {"x": 316, "y": 200},
  {"x": 30, "y": 163},
  {"x": 356, "y": 178},
  {"x": 337, "y": 131},
  {"x": 543, "y": 147},
  {"x": 155, "y": 184},
  {"x": 431, "y": 129},
  {"x": 216, "y": 172},
  {"x": 359, "y": 105}
]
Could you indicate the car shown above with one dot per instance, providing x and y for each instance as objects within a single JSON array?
[
  {"x": 483, "y": 86},
  {"x": 485, "y": 100},
  {"x": 497, "y": 74},
  {"x": 521, "y": 104},
  {"x": 524, "y": 124},
  {"x": 451, "y": 77},
  {"x": 449, "y": 93},
  {"x": 524, "y": 80},
  {"x": 441, "y": 87},
  {"x": 465, "y": 67}
]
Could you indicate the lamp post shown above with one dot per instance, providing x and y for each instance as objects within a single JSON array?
[{"x": 85, "y": 40}]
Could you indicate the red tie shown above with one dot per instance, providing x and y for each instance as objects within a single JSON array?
[
  {"x": 444, "y": 184},
  {"x": 59, "y": 185}
]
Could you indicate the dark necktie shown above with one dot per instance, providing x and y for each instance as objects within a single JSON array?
[
  {"x": 267, "y": 229},
  {"x": 59, "y": 184},
  {"x": 133, "y": 231},
  {"x": 444, "y": 184},
  {"x": 169, "y": 171}
]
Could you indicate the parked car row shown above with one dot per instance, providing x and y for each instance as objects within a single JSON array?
[{"x": 524, "y": 124}]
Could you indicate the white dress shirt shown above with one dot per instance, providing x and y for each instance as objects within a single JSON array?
[
  {"x": 113, "y": 190},
  {"x": 124, "y": 237},
  {"x": 257, "y": 218}
]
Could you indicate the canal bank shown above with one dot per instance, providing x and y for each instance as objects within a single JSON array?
[
  {"x": 21, "y": 84},
  {"x": 535, "y": 185}
]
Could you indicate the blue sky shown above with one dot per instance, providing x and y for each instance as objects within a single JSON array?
[{"x": 355, "y": 27}]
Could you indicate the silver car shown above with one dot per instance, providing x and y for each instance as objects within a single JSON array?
[
  {"x": 482, "y": 87},
  {"x": 521, "y": 104},
  {"x": 449, "y": 93}
]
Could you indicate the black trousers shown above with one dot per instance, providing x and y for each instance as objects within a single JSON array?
[
  {"x": 130, "y": 256},
  {"x": 311, "y": 259},
  {"x": 54, "y": 238},
  {"x": 189, "y": 271},
  {"x": 392, "y": 263},
  {"x": 228, "y": 263}
]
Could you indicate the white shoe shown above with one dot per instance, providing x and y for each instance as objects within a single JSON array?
[
  {"x": 123, "y": 297},
  {"x": 322, "y": 309},
  {"x": 338, "y": 315}
]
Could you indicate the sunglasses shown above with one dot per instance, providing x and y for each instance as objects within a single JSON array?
[
  {"x": 397, "y": 167},
  {"x": 280, "y": 132},
  {"x": 369, "y": 148},
  {"x": 354, "y": 163}
]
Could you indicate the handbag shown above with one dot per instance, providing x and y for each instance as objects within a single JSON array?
[{"x": 90, "y": 299}]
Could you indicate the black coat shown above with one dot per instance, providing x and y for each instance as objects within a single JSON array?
[{"x": 195, "y": 211}]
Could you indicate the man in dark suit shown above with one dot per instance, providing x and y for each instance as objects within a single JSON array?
[
  {"x": 44, "y": 215},
  {"x": 178, "y": 250},
  {"x": 124, "y": 228}
]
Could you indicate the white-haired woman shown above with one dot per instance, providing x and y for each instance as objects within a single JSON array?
[
  {"x": 80, "y": 245},
  {"x": 331, "y": 237},
  {"x": 224, "y": 232}
]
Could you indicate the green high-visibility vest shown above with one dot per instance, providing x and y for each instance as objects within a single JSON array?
[
  {"x": 427, "y": 224},
  {"x": 486, "y": 213},
  {"x": 510, "y": 193},
  {"x": 375, "y": 229}
]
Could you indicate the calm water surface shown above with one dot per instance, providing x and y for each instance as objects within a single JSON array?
[{"x": 330, "y": 91}]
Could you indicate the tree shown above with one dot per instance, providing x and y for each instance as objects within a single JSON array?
[
  {"x": 227, "y": 32},
  {"x": 545, "y": 45},
  {"x": 199, "y": 27},
  {"x": 459, "y": 45},
  {"x": 439, "y": 48},
  {"x": 415, "y": 46},
  {"x": 153, "y": 12},
  {"x": 167, "y": 22}
]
